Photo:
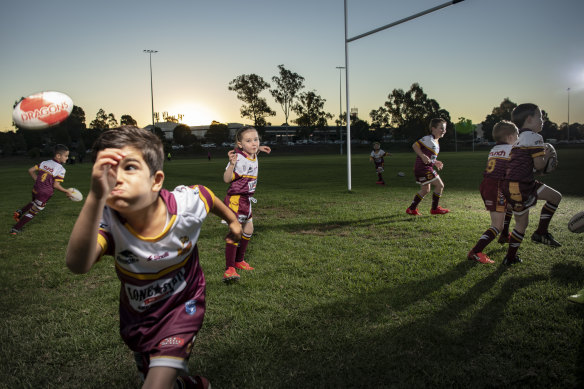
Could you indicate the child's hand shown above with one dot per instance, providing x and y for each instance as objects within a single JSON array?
[
  {"x": 425, "y": 159},
  {"x": 104, "y": 172},
  {"x": 232, "y": 155},
  {"x": 235, "y": 232},
  {"x": 265, "y": 149},
  {"x": 439, "y": 165}
]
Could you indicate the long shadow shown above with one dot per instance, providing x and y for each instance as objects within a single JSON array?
[
  {"x": 331, "y": 226},
  {"x": 305, "y": 347}
]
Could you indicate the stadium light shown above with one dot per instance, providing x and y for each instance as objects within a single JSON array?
[
  {"x": 568, "y": 126},
  {"x": 347, "y": 41},
  {"x": 149, "y": 52}
]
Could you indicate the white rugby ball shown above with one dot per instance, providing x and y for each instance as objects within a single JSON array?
[
  {"x": 576, "y": 223},
  {"x": 551, "y": 162},
  {"x": 42, "y": 110},
  {"x": 401, "y": 174},
  {"x": 76, "y": 195}
]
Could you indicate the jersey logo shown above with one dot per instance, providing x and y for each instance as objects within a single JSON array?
[{"x": 127, "y": 257}]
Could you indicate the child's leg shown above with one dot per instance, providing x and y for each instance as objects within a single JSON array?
[
  {"x": 424, "y": 189},
  {"x": 240, "y": 254},
  {"x": 552, "y": 198},
  {"x": 160, "y": 377},
  {"x": 490, "y": 234},
  {"x": 504, "y": 238},
  {"x": 516, "y": 238},
  {"x": 438, "y": 189},
  {"x": 33, "y": 210}
]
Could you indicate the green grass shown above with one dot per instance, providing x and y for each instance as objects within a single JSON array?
[{"x": 348, "y": 290}]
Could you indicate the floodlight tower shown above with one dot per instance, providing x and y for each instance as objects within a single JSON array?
[
  {"x": 347, "y": 41},
  {"x": 150, "y": 52}
]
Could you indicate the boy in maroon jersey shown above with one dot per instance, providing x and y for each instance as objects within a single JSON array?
[
  {"x": 152, "y": 235},
  {"x": 520, "y": 187},
  {"x": 505, "y": 134},
  {"x": 427, "y": 149},
  {"x": 376, "y": 157},
  {"x": 47, "y": 176}
]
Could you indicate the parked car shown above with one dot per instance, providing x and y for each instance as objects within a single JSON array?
[{"x": 208, "y": 145}]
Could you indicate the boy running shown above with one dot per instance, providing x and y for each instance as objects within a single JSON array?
[
  {"x": 505, "y": 134},
  {"x": 427, "y": 149},
  {"x": 152, "y": 234},
  {"x": 521, "y": 188},
  {"x": 377, "y": 158},
  {"x": 47, "y": 176}
]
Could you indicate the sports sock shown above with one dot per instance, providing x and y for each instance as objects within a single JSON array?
[
  {"x": 515, "y": 240},
  {"x": 25, "y": 218},
  {"x": 379, "y": 177},
  {"x": 435, "y": 199},
  {"x": 508, "y": 216},
  {"x": 547, "y": 211},
  {"x": 485, "y": 239},
  {"x": 230, "y": 251},
  {"x": 242, "y": 247},
  {"x": 25, "y": 209},
  {"x": 417, "y": 199}
]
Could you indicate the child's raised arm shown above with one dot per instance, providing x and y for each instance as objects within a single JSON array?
[
  {"x": 83, "y": 250},
  {"x": 228, "y": 175}
]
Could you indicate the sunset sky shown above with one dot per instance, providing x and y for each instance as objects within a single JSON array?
[{"x": 468, "y": 57}]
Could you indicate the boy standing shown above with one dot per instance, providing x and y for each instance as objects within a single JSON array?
[
  {"x": 377, "y": 158},
  {"x": 427, "y": 149},
  {"x": 152, "y": 234},
  {"x": 47, "y": 176},
  {"x": 505, "y": 134},
  {"x": 521, "y": 188}
]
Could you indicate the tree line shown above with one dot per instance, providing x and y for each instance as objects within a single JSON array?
[{"x": 403, "y": 117}]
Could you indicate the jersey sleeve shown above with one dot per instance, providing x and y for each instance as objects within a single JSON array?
[{"x": 104, "y": 236}]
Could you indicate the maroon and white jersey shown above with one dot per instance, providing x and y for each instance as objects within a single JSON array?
[
  {"x": 378, "y": 156},
  {"x": 497, "y": 161},
  {"x": 245, "y": 175},
  {"x": 430, "y": 147},
  {"x": 528, "y": 146},
  {"x": 161, "y": 280},
  {"x": 48, "y": 173}
]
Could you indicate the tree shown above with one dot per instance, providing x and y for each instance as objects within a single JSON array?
[
  {"x": 248, "y": 88},
  {"x": 502, "y": 112},
  {"x": 311, "y": 115},
  {"x": 410, "y": 112},
  {"x": 127, "y": 120},
  {"x": 217, "y": 133},
  {"x": 100, "y": 121},
  {"x": 182, "y": 135},
  {"x": 111, "y": 121},
  {"x": 287, "y": 87}
]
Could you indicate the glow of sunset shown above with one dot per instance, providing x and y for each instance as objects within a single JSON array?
[{"x": 194, "y": 114}]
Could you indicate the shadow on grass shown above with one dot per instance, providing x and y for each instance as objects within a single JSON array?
[
  {"x": 331, "y": 226},
  {"x": 406, "y": 336}
]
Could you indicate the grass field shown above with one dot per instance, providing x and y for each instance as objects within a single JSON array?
[{"x": 348, "y": 290}]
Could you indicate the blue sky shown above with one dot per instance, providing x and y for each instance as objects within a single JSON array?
[{"x": 468, "y": 57}]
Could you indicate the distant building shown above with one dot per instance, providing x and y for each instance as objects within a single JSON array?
[{"x": 198, "y": 131}]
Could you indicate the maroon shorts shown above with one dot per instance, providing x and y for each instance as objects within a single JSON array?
[
  {"x": 240, "y": 205},
  {"x": 521, "y": 195},
  {"x": 426, "y": 175},
  {"x": 173, "y": 351},
  {"x": 493, "y": 196}
]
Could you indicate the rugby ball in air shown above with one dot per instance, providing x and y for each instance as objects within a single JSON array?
[
  {"x": 75, "y": 194},
  {"x": 42, "y": 110},
  {"x": 576, "y": 223},
  {"x": 551, "y": 159},
  {"x": 401, "y": 174}
]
